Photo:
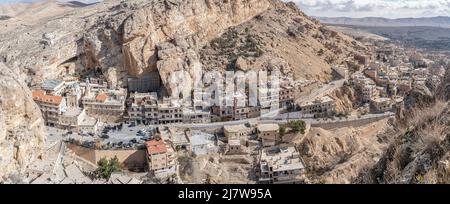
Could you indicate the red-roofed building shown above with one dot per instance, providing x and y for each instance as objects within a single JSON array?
[
  {"x": 51, "y": 106},
  {"x": 160, "y": 156},
  {"x": 105, "y": 105},
  {"x": 101, "y": 97}
]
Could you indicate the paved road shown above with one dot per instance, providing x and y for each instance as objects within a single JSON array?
[
  {"x": 281, "y": 120},
  {"x": 322, "y": 91}
]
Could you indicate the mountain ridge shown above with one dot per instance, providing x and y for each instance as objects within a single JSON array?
[{"x": 438, "y": 21}]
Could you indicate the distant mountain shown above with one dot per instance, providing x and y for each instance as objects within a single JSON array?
[
  {"x": 78, "y": 3},
  {"x": 440, "y": 21}
]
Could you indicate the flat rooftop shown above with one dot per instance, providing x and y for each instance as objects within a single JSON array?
[
  {"x": 268, "y": 127},
  {"x": 282, "y": 158},
  {"x": 235, "y": 128},
  {"x": 51, "y": 84}
]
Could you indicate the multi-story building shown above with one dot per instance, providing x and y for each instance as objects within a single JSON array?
[
  {"x": 76, "y": 119},
  {"x": 53, "y": 87},
  {"x": 280, "y": 165},
  {"x": 71, "y": 118},
  {"x": 236, "y": 136},
  {"x": 144, "y": 108},
  {"x": 268, "y": 133},
  {"x": 319, "y": 107},
  {"x": 196, "y": 116},
  {"x": 269, "y": 98},
  {"x": 51, "y": 106},
  {"x": 235, "y": 107},
  {"x": 106, "y": 105},
  {"x": 170, "y": 112},
  {"x": 365, "y": 86},
  {"x": 236, "y": 131},
  {"x": 381, "y": 104},
  {"x": 287, "y": 95},
  {"x": 368, "y": 92},
  {"x": 161, "y": 157}
]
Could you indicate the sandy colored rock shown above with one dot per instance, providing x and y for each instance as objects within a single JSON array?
[{"x": 22, "y": 131}]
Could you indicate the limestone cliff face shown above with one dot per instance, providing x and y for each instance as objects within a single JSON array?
[
  {"x": 172, "y": 37},
  {"x": 162, "y": 36},
  {"x": 22, "y": 131}
]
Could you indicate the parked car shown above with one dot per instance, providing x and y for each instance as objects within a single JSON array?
[{"x": 145, "y": 138}]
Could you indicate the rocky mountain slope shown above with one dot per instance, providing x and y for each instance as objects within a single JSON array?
[
  {"x": 138, "y": 37},
  {"x": 22, "y": 130},
  {"x": 421, "y": 152},
  {"x": 176, "y": 38},
  {"x": 281, "y": 38}
]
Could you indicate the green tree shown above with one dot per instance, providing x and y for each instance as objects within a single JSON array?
[
  {"x": 106, "y": 168},
  {"x": 282, "y": 130},
  {"x": 298, "y": 126}
]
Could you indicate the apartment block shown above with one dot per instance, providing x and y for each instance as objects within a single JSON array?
[
  {"x": 280, "y": 165},
  {"x": 106, "y": 105},
  {"x": 268, "y": 133},
  {"x": 319, "y": 107},
  {"x": 161, "y": 157},
  {"x": 52, "y": 106}
]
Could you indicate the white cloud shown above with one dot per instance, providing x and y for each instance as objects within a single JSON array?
[{"x": 376, "y": 8}]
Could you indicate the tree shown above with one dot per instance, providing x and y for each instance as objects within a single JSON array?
[
  {"x": 298, "y": 126},
  {"x": 106, "y": 168},
  {"x": 282, "y": 130}
]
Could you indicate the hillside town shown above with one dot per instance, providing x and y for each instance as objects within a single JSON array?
[
  {"x": 152, "y": 135},
  {"x": 212, "y": 92}
]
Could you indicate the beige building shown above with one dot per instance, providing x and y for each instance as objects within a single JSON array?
[
  {"x": 227, "y": 113},
  {"x": 236, "y": 136},
  {"x": 236, "y": 131},
  {"x": 53, "y": 86},
  {"x": 52, "y": 107},
  {"x": 319, "y": 107},
  {"x": 76, "y": 119},
  {"x": 161, "y": 157},
  {"x": 234, "y": 147},
  {"x": 196, "y": 116},
  {"x": 381, "y": 104},
  {"x": 144, "y": 109},
  {"x": 107, "y": 105},
  {"x": 268, "y": 133},
  {"x": 71, "y": 118},
  {"x": 280, "y": 165},
  {"x": 170, "y": 112}
]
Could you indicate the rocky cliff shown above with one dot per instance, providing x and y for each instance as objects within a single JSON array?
[
  {"x": 420, "y": 153},
  {"x": 22, "y": 131},
  {"x": 176, "y": 38},
  {"x": 161, "y": 36}
]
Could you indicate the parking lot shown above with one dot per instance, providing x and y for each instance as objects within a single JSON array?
[{"x": 126, "y": 137}]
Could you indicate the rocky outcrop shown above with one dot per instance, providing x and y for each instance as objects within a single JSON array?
[
  {"x": 443, "y": 92},
  {"x": 134, "y": 39},
  {"x": 340, "y": 155},
  {"x": 419, "y": 154},
  {"x": 129, "y": 38},
  {"x": 22, "y": 131},
  {"x": 281, "y": 38}
]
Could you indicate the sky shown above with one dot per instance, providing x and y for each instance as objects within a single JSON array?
[
  {"x": 375, "y": 8},
  {"x": 364, "y": 8}
]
